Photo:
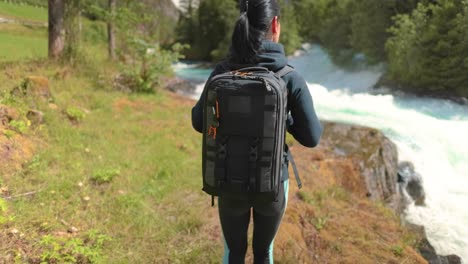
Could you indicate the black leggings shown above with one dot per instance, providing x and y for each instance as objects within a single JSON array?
[{"x": 235, "y": 217}]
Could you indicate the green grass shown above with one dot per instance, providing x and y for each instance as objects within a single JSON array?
[
  {"x": 16, "y": 47},
  {"x": 130, "y": 169},
  {"x": 23, "y": 12},
  {"x": 25, "y": 42},
  {"x": 22, "y": 42}
]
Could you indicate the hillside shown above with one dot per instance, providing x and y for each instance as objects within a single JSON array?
[
  {"x": 23, "y": 32},
  {"x": 126, "y": 171}
]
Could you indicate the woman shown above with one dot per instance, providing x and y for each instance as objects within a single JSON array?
[{"x": 255, "y": 42}]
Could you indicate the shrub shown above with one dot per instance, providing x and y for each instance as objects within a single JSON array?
[
  {"x": 75, "y": 114},
  {"x": 18, "y": 126},
  {"x": 145, "y": 64},
  {"x": 73, "y": 250},
  {"x": 104, "y": 175}
]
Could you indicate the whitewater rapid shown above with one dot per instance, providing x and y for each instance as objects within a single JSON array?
[{"x": 428, "y": 132}]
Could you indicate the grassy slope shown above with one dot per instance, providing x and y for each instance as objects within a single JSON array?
[
  {"x": 23, "y": 12},
  {"x": 135, "y": 135},
  {"x": 18, "y": 42},
  {"x": 23, "y": 41}
]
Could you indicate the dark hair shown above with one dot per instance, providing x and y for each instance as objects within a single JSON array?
[{"x": 251, "y": 28}]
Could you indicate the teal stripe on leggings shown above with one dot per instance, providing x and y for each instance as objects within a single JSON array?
[
  {"x": 286, "y": 191},
  {"x": 226, "y": 252}
]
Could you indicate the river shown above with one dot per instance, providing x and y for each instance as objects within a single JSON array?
[{"x": 428, "y": 132}]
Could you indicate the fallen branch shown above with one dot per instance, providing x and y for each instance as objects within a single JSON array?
[{"x": 21, "y": 195}]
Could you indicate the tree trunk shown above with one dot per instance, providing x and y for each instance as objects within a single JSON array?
[
  {"x": 111, "y": 29},
  {"x": 56, "y": 41}
]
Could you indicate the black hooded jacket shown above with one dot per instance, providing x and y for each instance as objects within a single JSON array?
[{"x": 304, "y": 126}]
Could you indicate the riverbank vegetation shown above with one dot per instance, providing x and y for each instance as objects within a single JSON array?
[{"x": 422, "y": 42}]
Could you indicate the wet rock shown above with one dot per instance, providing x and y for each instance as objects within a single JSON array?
[
  {"x": 411, "y": 182},
  {"x": 36, "y": 117},
  {"x": 453, "y": 259},
  {"x": 429, "y": 253}
]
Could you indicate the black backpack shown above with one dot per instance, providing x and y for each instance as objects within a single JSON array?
[{"x": 244, "y": 130}]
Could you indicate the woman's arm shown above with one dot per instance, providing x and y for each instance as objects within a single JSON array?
[
  {"x": 197, "y": 114},
  {"x": 306, "y": 127}
]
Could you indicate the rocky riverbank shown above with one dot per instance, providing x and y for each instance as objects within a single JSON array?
[{"x": 384, "y": 178}]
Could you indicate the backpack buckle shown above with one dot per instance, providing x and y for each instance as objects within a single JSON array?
[
  {"x": 253, "y": 154},
  {"x": 222, "y": 151}
]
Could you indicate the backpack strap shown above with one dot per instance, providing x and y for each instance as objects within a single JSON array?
[
  {"x": 296, "y": 173},
  {"x": 283, "y": 72}
]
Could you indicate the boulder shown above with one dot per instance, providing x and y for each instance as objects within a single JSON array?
[
  {"x": 180, "y": 86},
  {"x": 377, "y": 159},
  {"x": 36, "y": 117},
  {"x": 429, "y": 253}
]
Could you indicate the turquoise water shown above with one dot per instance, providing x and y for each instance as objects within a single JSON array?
[
  {"x": 192, "y": 72},
  {"x": 428, "y": 132}
]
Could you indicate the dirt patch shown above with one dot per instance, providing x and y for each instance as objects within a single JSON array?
[
  {"x": 15, "y": 149},
  {"x": 7, "y": 114},
  {"x": 14, "y": 152},
  {"x": 124, "y": 103},
  {"x": 12, "y": 245},
  {"x": 179, "y": 100}
]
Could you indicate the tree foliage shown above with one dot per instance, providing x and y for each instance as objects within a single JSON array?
[
  {"x": 290, "y": 37},
  {"x": 207, "y": 28},
  {"x": 369, "y": 21},
  {"x": 428, "y": 48},
  {"x": 424, "y": 42}
]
